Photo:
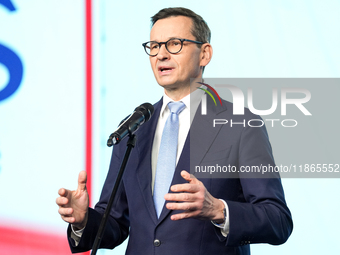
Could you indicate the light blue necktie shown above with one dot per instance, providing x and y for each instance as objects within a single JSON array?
[{"x": 166, "y": 162}]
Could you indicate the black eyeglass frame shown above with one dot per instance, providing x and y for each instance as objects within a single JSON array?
[{"x": 165, "y": 43}]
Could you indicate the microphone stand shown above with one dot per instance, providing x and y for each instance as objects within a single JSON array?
[{"x": 130, "y": 144}]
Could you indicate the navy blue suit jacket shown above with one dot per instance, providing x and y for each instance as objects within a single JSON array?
[{"x": 257, "y": 207}]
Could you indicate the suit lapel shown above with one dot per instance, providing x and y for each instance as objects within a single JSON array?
[
  {"x": 144, "y": 148},
  {"x": 202, "y": 132}
]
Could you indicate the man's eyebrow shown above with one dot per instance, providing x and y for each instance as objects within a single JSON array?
[{"x": 169, "y": 38}]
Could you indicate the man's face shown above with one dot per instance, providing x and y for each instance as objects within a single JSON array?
[{"x": 174, "y": 71}]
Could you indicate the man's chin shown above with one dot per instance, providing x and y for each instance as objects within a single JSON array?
[
  {"x": 171, "y": 83},
  {"x": 168, "y": 87},
  {"x": 174, "y": 87},
  {"x": 166, "y": 83}
]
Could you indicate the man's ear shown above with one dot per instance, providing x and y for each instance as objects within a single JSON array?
[{"x": 206, "y": 54}]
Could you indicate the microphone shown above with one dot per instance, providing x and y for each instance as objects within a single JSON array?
[{"x": 130, "y": 124}]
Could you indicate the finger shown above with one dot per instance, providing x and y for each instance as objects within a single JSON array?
[
  {"x": 182, "y": 206},
  {"x": 82, "y": 178},
  {"x": 68, "y": 219},
  {"x": 189, "y": 177},
  {"x": 180, "y": 197},
  {"x": 61, "y": 192},
  {"x": 61, "y": 201},
  {"x": 64, "y": 192},
  {"x": 187, "y": 187},
  {"x": 184, "y": 215},
  {"x": 66, "y": 212}
]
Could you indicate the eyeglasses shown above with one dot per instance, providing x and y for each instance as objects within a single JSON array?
[{"x": 173, "y": 45}]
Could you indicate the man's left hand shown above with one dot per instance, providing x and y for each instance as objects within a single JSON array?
[{"x": 195, "y": 201}]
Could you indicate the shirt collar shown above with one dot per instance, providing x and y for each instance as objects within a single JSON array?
[{"x": 191, "y": 101}]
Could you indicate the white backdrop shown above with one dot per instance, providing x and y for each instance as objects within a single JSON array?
[
  {"x": 42, "y": 123},
  {"x": 250, "y": 39}
]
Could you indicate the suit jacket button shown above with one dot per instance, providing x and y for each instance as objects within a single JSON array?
[{"x": 156, "y": 242}]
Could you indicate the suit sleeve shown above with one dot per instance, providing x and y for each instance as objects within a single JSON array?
[{"x": 262, "y": 216}]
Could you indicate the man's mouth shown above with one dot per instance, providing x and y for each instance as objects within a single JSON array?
[{"x": 164, "y": 69}]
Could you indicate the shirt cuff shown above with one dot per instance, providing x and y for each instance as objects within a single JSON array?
[
  {"x": 224, "y": 226},
  {"x": 76, "y": 235}
]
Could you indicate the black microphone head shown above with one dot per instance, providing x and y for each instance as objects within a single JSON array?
[
  {"x": 109, "y": 142},
  {"x": 147, "y": 110},
  {"x": 130, "y": 124}
]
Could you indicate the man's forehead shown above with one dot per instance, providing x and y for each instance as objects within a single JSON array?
[{"x": 171, "y": 27}]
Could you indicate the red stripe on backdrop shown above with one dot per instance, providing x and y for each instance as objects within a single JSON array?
[
  {"x": 88, "y": 74},
  {"x": 88, "y": 77}
]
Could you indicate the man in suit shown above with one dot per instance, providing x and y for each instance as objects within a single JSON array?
[{"x": 195, "y": 215}]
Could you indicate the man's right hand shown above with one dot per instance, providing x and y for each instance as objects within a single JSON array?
[{"x": 73, "y": 205}]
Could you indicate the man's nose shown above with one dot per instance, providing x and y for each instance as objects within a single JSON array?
[{"x": 163, "y": 53}]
